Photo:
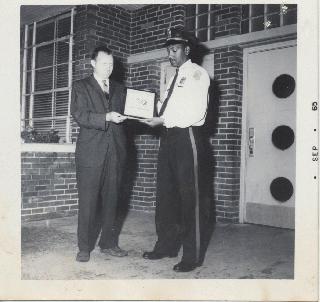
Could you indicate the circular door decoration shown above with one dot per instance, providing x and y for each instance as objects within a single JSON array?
[
  {"x": 282, "y": 137},
  {"x": 281, "y": 189},
  {"x": 283, "y": 86}
]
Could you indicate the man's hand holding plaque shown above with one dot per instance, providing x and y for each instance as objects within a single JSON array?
[
  {"x": 153, "y": 122},
  {"x": 139, "y": 104}
]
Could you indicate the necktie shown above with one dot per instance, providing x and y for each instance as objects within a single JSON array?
[
  {"x": 165, "y": 102},
  {"x": 106, "y": 92},
  {"x": 105, "y": 86}
]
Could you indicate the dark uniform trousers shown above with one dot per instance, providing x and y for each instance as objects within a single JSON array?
[
  {"x": 99, "y": 189},
  {"x": 182, "y": 206}
]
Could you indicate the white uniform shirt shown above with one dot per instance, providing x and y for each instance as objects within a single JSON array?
[{"x": 187, "y": 105}]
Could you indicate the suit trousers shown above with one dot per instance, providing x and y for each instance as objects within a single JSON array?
[
  {"x": 179, "y": 206},
  {"x": 98, "y": 190}
]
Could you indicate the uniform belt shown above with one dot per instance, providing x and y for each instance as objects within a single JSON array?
[{"x": 166, "y": 131}]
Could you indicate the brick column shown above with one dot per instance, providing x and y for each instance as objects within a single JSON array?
[{"x": 227, "y": 140}]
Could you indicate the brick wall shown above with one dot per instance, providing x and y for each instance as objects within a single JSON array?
[
  {"x": 227, "y": 20},
  {"x": 145, "y": 76},
  {"x": 226, "y": 137},
  {"x": 132, "y": 33},
  {"x": 48, "y": 179},
  {"x": 143, "y": 190},
  {"x": 99, "y": 25},
  {"x": 226, "y": 142},
  {"x": 149, "y": 25},
  {"x": 48, "y": 185}
]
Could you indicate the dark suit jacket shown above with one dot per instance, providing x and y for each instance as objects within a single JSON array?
[{"x": 97, "y": 137}]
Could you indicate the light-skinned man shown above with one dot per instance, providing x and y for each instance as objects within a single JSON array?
[{"x": 96, "y": 105}]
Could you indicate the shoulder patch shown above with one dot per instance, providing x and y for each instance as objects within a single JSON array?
[{"x": 197, "y": 75}]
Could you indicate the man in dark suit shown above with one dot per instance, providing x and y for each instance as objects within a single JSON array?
[{"x": 96, "y": 105}]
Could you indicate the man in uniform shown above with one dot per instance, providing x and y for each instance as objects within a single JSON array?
[
  {"x": 100, "y": 155},
  {"x": 180, "y": 205}
]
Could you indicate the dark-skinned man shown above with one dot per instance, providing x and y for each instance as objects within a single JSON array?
[{"x": 180, "y": 205}]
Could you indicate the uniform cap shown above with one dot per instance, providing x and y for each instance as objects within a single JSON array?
[{"x": 175, "y": 35}]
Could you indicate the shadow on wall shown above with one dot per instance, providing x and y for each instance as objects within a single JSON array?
[
  {"x": 198, "y": 52},
  {"x": 133, "y": 129},
  {"x": 208, "y": 130},
  {"x": 118, "y": 73}
]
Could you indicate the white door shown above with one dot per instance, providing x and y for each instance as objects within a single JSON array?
[{"x": 269, "y": 128}]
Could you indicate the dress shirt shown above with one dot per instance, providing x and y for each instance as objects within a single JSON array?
[
  {"x": 100, "y": 82},
  {"x": 187, "y": 105}
]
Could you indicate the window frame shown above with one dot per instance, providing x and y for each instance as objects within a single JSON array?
[
  {"x": 197, "y": 16},
  {"x": 265, "y": 17},
  {"x": 32, "y": 47}
]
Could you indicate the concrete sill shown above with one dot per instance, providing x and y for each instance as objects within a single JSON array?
[{"x": 34, "y": 147}]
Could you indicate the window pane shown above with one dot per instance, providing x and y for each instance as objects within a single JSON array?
[
  {"x": 202, "y": 8},
  {"x": 43, "y": 127},
  {"x": 22, "y": 32},
  {"x": 257, "y": 24},
  {"x": 62, "y": 52},
  {"x": 190, "y": 23},
  {"x": 275, "y": 20},
  {"x": 290, "y": 17},
  {"x": 203, "y": 35},
  {"x": 64, "y": 27},
  {"x": 42, "y": 106},
  {"x": 273, "y": 8},
  {"x": 245, "y": 11},
  {"x": 30, "y": 34},
  {"x": 291, "y": 6},
  {"x": 61, "y": 125},
  {"x": 28, "y": 82},
  {"x": 245, "y": 27},
  {"x": 212, "y": 19},
  {"x": 190, "y": 10},
  {"x": 43, "y": 79},
  {"x": 257, "y": 10},
  {"x": 44, "y": 56},
  {"x": 51, "y": 72},
  {"x": 29, "y": 58},
  {"x": 212, "y": 33},
  {"x": 45, "y": 32},
  {"x": 203, "y": 21},
  {"x": 61, "y": 108},
  {"x": 62, "y": 76},
  {"x": 27, "y": 109}
]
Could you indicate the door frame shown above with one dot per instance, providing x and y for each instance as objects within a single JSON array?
[{"x": 243, "y": 163}]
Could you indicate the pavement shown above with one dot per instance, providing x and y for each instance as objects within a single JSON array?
[{"x": 235, "y": 251}]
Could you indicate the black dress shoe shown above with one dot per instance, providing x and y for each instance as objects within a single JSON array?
[
  {"x": 114, "y": 251},
  {"x": 155, "y": 255},
  {"x": 184, "y": 267},
  {"x": 83, "y": 256}
]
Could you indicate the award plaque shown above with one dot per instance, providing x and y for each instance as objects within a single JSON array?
[{"x": 139, "y": 104}]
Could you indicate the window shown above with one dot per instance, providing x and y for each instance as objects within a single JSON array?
[
  {"x": 200, "y": 21},
  {"x": 47, "y": 75},
  {"x": 255, "y": 17}
]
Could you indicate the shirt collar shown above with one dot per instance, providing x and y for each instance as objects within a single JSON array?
[
  {"x": 99, "y": 80},
  {"x": 185, "y": 64}
]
